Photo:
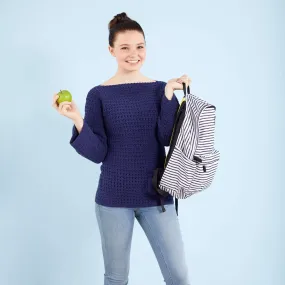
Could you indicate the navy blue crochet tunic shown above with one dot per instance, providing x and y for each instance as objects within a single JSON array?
[{"x": 126, "y": 127}]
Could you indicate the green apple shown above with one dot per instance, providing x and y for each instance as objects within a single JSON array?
[{"x": 64, "y": 95}]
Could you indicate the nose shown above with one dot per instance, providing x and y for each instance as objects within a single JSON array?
[{"x": 133, "y": 53}]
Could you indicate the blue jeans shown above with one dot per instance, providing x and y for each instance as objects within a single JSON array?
[{"x": 162, "y": 230}]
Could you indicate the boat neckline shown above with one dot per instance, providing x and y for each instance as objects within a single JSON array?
[{"x": 129, "y": 83}]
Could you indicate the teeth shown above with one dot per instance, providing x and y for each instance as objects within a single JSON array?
[{"x": 133, "y": 61}]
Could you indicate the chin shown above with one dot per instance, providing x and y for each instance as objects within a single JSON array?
[{"x": 133, "y": 69}]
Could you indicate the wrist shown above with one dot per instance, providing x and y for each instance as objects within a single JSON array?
[
  {"x": 168, "y": 92},
  {"x": 78, "y": 120}
]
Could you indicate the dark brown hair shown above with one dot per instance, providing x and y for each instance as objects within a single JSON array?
[{"x": 121, "y": 23}]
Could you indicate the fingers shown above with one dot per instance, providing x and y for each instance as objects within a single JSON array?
[
  {"x": 64, "y": 107},
  {"x": 73, "y": 104},
  {"x": 54, "y": 103},
  {"x": 184, "y": 78}
]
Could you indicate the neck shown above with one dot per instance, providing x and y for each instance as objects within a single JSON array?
[{"x": 128, "y": 76}]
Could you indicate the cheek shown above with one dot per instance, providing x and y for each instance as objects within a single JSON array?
[
  {"x": 121, "y": 57},
  {"x": 142, "y": 55}
]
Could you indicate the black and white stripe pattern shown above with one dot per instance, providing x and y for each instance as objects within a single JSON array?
[{"x": 194, "y": 160}]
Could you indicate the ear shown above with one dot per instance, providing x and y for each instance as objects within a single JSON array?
[{"x": 111, "y": 50}]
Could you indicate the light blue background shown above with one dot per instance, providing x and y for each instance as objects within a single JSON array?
[{"x": 234, "y": 53}]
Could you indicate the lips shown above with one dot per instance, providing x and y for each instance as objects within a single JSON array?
[{"x": 133, "y": 61}]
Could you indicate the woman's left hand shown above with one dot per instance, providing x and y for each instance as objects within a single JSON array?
[{"x": 176, "y": 83}]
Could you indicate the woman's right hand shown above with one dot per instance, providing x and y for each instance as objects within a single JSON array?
[{"x": 67, "y": 109}]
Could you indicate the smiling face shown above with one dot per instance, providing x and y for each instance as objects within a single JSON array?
[{"x": 129, "y": 50}]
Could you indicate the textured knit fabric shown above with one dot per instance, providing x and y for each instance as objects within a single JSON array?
[{"x": 126, "y": 127}]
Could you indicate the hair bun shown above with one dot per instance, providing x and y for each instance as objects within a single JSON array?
[{"x": 119, "y": 18}]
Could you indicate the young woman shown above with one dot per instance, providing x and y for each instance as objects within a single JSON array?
[{"x": 128, "y": 122}]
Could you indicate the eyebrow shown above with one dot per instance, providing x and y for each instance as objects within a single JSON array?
[{"x": 128, "y": 44}]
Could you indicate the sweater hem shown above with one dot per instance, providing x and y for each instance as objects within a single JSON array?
[{"x": 121, "y": 205}]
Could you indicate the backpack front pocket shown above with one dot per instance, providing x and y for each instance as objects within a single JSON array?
[
  {"x": 186, "y": 176},
  {"x": 206, "y": 167}
]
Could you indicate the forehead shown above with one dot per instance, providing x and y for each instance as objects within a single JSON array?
[{"x": 129, "y": 38}]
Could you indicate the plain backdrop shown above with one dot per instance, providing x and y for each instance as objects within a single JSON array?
[{"x": 234, "y": 53}]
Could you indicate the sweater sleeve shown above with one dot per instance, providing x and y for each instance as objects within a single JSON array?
[
  {"x": 166, "y": 117},
  {"x": 91, "y": 142}
]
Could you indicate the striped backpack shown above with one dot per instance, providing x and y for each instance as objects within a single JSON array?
[{"x": 192, "y": 160}]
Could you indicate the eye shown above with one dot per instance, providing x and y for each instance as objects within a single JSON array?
[
  {"x": 124, "y": 48},
  {"x": 141, "y": 47}
]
